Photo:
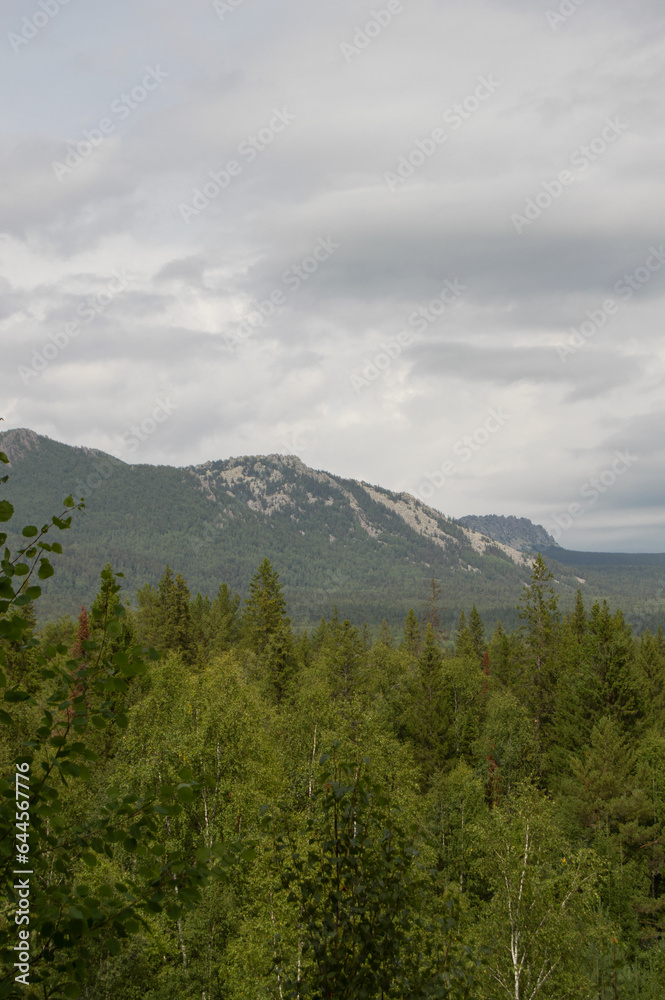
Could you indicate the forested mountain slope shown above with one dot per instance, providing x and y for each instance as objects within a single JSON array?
[{"x": 335, "y": 541}]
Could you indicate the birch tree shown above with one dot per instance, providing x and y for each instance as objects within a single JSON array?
[{"x": 542, "y": 897}]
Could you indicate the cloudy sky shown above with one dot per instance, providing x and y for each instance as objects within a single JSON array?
[{"x": 417, "y": 243}]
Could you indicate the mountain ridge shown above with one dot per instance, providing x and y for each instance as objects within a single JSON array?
[
  {"x": 336, "y": 542},
  {"x": 518, "y": 532}
]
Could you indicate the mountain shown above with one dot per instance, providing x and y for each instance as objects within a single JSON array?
[
  {"x": 517, "y": 532},
  {"x": 335, "y": 542}
]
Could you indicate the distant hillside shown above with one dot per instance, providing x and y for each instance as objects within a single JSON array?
[
  {"x": 518, "y": 532},
  {"x": 334, "y": 541}
]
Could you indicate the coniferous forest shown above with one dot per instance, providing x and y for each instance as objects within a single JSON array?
[{"x": 213, "y": 804}]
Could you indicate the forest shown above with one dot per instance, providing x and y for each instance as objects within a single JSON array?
[{"x": 217, "y": 805}]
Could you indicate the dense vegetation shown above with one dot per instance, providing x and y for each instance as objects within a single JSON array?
[
  {"x": 335, "y": 543},
  {"x": 257, "y": 812}
]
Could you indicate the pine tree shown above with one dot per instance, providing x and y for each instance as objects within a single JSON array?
[
  {"x": 265, "y": 608},
  {"x": 225, "y": 618},
  {"x": 579, "y": 616},
  {"x": 385, "y": 635},
  {"x": 539, "y": 610},
  {"x": 107, "y": 605},
  {"x": 174, "y": 619},
  {"x": 344, "y": 655},
  {"x": 477, "y": 632},
  {"x": 428, "y": 712},
  {"x": 502, "y": 655},
  {"x": 412, "y": 641},
  {"x": 182, "y": 621},
  {"x": 431, "y": 615},
  {"x": 612, "y": 657},
  {"x": 281, "y": 661},
  {"x": 464, "y": 645}
]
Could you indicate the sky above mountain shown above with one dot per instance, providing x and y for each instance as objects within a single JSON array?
[{"x": 414, "y": 243}]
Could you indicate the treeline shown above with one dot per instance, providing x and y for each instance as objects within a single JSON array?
[{"x": 261, "y": 812}]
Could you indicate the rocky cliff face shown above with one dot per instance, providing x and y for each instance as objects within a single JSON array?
[
  {"x": 516, "y": 532},
  {"x": 273, "y": 485},
  {"x": 17, "y": 443},
  {"x": 335, "y": 542}
]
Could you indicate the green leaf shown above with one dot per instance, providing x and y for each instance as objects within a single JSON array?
[
  {"x": 20, "y": 602},
  {"x": 45, "y": 569},
  {"x": 30, "y": 531},
  {"x": 68, "y": 502},
  {"x": 6, "y": 510},
  {"x": 113, "y": 946},
  {"x": 15, "y": 694}
]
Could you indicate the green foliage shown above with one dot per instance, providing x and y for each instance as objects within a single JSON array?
[
  {"x": 543, "y": 897},
  {"x": 514, "y": 810},
  {"x": 95, "y": 876},
  {"x": 539, "y": 610},
  {"x": 354, "y": 881}
]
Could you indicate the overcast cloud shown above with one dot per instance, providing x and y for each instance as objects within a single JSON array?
[{"x": 417, "y": 243}]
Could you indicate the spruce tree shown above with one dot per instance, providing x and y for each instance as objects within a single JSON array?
[
  {"x": 539, "y": 610},
  {"x": 579, "y": 620},
  {"x": 477, "y": 632},
  {"x": 225, "y": 618},
  {"x": 265, "y": 608},
  {"x": 412, "y": 641},
  {"x": 428, "y": 712},
  {"x": 464, "y": 645},
  {"x": 174, "y": 624},
  {"x": 431, "y": 615},
  {"x": 385, "y": 635}
]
